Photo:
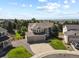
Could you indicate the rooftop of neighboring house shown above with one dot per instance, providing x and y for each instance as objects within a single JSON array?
[
  {"x": 72, "y": 27},
  {"x": 40, "y": 25},
  {"x": 2, "y": 29},
  {"x": 73, "y": 36}
]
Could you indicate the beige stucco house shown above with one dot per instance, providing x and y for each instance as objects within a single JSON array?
[{"x": 38, "y": 32}]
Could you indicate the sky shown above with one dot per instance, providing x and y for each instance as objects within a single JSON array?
[{"x": 40, "y": 9}]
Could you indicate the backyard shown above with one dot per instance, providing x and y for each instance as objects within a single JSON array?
[
  {"x": 19, "y": 52},
  {"x": 57, "y": 44}
]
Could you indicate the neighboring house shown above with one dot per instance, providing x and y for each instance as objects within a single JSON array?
[
  {"x": 71, "y": 34},
  {"x": 38, "y": 32},
  {"x": 4, "y": 39}
]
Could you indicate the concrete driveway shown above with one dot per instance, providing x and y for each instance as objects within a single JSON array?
[{"x": 40, "y": 48}]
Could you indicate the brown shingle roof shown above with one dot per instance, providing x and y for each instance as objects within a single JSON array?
[
  {"x": 41, "y": 25},
  {"x": 72, "y": 27}
]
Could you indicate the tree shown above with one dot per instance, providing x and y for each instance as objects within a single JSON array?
[
  {"x": 59, "y": 26},
  {"x": 15, "y": 21},
  {"x": 66, "y": 22},
  {"x": 10, "y": 27},
  {"x": 34, "y": 20},
  {"x": 25, "y": 23},
  {"x": 55, "y": 31}
]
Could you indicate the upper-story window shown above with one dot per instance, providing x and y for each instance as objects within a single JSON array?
[{"x": 38, "y": 31}]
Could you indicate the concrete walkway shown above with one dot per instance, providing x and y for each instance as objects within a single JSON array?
[
  {"x": 40, "y": 48},
  {"x": 73, "y": 47}
]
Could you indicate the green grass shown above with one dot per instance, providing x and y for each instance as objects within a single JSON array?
[
  {"x": 57, "y": 44},
  {"x": 17, "y": 36},
  {"x": 19, "y": 52}
]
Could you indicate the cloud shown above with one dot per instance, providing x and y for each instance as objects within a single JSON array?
[
  {"x": 73, "y": 1},
  {"x": 49, "y": 7},
  {"x": 0, "y": 9},
  {"x": 77, "y": 13},
  {"x": 42, "y": 0},
  {"x": 66, "y": 6},
  {"x": 65, "y": 1},
  {"x": 23, "y": 5},
  {"x": 30, "y": 5}
]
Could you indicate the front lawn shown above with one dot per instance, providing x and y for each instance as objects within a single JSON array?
[
  {"x": 57, "y": 44},
  {"x": 19, "y": 52}
]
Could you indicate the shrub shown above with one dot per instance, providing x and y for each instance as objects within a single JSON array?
[
  {"x": 57, "y": 44},
  {"x": 19, "y": 52}
]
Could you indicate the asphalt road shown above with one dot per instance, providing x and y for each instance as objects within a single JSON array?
[{"x": 61, "y": 56}]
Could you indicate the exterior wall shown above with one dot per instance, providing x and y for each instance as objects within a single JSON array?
[
  {"x": 47, "y": 32},
  {"x": 64, "y": 29},
  {"x": 6, "y": 43},
  {"x": 32, "y": 39},
  {"x": 66, "y": 39},
  {"x": 65, "y": 36}
]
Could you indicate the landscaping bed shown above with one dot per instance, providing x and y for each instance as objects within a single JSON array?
[
  {"x": 19, "y": 52},
  {"x": 57, "y": 44}
]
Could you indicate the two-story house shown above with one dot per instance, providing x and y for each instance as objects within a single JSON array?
[
  {"x": 38, "y": 32},
  {"x": 4, "y": 39},
  {"x": 71, "y": 33}
]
